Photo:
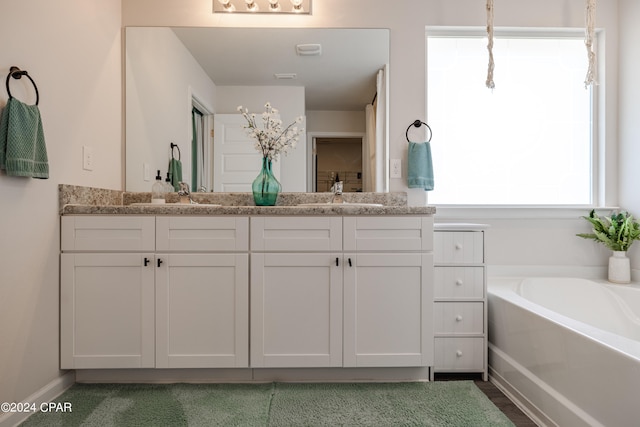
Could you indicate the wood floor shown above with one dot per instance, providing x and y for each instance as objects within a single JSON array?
[{"x": 503, "y": 403}]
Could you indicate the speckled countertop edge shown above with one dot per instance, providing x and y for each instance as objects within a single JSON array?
[
  {"x": 177, "y": 209},
  {"x": 77, "y": 200}
]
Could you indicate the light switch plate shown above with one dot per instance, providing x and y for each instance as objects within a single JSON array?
[{"x": 87, "y": 158}]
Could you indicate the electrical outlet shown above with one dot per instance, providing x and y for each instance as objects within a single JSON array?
[
  {"x": 396, "y": 168},
  {"x": 87, "y": 158}
]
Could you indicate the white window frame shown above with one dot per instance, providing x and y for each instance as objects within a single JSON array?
[{"x": 604, "y": 150}]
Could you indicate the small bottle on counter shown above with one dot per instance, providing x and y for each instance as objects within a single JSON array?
[
  {"x": 168, "y": 187},
  {"x": 158, "y": 190}
]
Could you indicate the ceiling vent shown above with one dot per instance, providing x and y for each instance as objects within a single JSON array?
[
  {"x": 286, "y": 76},
  {"x": 310, "y": 49}
]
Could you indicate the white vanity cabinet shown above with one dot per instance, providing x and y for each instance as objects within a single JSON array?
[
  {"x": 296, "y": 291},
  {"x": 144, "y": 292},
  {"x": 460, "y": 307},
  {"x": 333, "y": 291},
  {"x": 388, "y": 291}
]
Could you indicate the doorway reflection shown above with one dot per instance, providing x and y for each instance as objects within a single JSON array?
[{"x": 338, "y": 159}]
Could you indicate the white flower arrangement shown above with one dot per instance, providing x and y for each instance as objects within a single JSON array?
[{"x": 272, "y": 139}]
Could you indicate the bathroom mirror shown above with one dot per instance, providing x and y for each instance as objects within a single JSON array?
[{"x": 170, "y": 70}]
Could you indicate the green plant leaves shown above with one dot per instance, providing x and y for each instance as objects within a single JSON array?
[{"x": 616, "y": 232}]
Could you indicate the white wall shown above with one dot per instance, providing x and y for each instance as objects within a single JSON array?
[
  {"x": 336, "y": 121},
  {"x": 290, "y": 101},
  {"x": 549, "y": 241},
  {"x": 71, "y": 48},
  {"x": 162, "y": 77}
]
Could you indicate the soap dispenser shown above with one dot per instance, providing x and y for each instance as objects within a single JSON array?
[
  {"x": 157, "y": 190},
  {"x": 168, "y": 187}
]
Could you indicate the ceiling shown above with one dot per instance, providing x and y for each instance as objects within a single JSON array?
[{"x": 342, "y": 78}]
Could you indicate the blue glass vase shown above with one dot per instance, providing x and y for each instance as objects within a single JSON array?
[{"x": 265, "y": 187}]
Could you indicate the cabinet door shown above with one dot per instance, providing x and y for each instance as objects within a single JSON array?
[
  {"x": 296, "y": 310},
  {"x": 202, "y": 311},
  {"x": 388, "y": 310},
  {"x": 106, "y": 311}
]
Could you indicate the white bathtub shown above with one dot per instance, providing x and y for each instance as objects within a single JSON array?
[{"x": 567, "y": 350}]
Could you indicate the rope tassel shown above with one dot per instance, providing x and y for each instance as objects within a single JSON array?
[
  {"x": 591, "y": 78},
  {"x": 490, "y": 83}
]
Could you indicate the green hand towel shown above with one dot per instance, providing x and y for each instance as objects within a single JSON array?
[
  {"x": 22, "y": 148},
  {"x": 420, "y": 170},
  {"x": 175, "y": 173}
]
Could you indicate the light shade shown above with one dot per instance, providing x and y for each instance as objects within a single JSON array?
[{"x": 262, "y": 6}]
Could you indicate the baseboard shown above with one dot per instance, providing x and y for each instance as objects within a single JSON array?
[
  {"x": 543, "y": 404},
  {"x": 519, "y": 400},
  {"x": 249, "y": 375},
  {"x": 46, "y": 394}
]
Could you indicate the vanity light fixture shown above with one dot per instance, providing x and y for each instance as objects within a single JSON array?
[{"x": 263, "y": 6}]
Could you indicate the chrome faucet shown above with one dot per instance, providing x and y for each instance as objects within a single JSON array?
[
  {"x": 185, "y": 193},
  {"x": 337, "y": 192}
]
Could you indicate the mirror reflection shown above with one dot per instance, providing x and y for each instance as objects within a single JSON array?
[{"x": 183, "y": 86}]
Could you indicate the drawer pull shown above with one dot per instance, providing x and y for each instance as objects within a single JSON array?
[
  {"x": 458, "y": 318},
  {"x": 459, "y": 353},
  {"x": 458, "y": 246},
  {"x": 459, "y": 282}
]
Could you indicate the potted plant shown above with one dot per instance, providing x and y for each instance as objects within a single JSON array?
[{"x": 617, "y": 232}]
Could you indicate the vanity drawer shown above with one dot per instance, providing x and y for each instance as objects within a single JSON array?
[
  {"x": 278, "y": 234},
  {"x": 107, "y": 233},
  {"x": 458, "y": 318},
  {"x": 390, "y": 233},
  {"x": 458, "y": 247},
  {"x": 459, "y": 354},
  {"x": 202, "y": 233},
  {"x": 458, "y": 283}
]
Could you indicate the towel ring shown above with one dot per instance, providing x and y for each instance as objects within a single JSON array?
[
  {"x": 17, "y": 74},
  {"x": 175, "y": 146},
  {"x": 417, "y": 124}
]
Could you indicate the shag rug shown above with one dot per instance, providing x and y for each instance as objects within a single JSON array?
[{"x": 438, "y": 404}]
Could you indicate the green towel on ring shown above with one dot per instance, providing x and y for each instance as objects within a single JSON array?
[
  {"x": 175, "y": 173},
  {"x": 22, "y": 148},
  {"x": 420, "y": 170}
]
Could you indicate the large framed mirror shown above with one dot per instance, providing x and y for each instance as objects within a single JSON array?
[{"x": 183, "y": 85}]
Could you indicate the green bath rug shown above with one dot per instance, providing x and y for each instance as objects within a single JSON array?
[{"x": 437, "y": 404}]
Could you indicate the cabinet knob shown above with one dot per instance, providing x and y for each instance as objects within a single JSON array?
[
  {"x": 459, "y": 282},
  {"x": 458, "y": 246},
  {"x": 146, "y": 261},
  {"x": 159, "y": 262},
  {"x": 459, "y": 353},
  {"x": 458, "y": 318}
]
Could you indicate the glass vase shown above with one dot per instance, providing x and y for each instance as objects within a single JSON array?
[{"x": 265, "y": 187}]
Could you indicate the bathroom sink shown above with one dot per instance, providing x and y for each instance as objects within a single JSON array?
[{"x": 345, "y": 204}]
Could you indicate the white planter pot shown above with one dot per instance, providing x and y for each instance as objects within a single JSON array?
[{"x": 619, "y": 268}]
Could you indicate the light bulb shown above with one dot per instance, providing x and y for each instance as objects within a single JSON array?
[
  {"x": 297, "y": 5},
  {"x": 251, "y": 5},
  {"x": 226, "y": 4},
  {"x": 274, "y": 6}
]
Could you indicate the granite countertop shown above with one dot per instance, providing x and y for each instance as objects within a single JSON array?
[
  {"x": 76, "y": 200},
  {"x": 178, "y": 209}
]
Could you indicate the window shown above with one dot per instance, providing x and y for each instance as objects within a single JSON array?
[{"x": 528, "y": 141}]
